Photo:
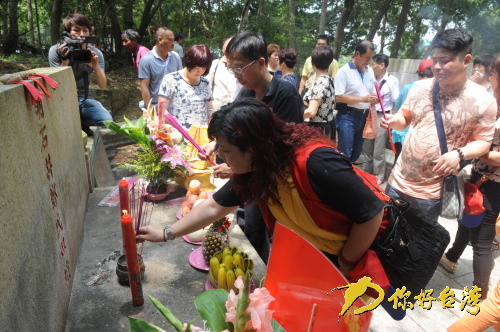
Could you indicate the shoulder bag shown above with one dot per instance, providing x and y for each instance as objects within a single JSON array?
[
  {"x": 452, "y": 199},
  {"x": 408, "y": 246}
]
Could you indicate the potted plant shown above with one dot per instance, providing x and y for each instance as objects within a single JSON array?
[{"x": 159, "y": 158}]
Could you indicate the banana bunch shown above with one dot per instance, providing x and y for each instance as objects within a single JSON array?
[{"x": 228, "y": 265}]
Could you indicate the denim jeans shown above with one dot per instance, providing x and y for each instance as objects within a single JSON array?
[
  {"x": 92, "y": 113},
  {"x": 350, "y": 126},
  {"x": 430, "y": 208}
]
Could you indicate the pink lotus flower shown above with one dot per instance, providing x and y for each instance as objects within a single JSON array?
[{"x": 260, "y": 316}]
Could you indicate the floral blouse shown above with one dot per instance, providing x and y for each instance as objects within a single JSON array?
[
  {"x": 322, "y": 88},
  {"x": 188, "y": 103},
  {"x": 483, "y": 168}
]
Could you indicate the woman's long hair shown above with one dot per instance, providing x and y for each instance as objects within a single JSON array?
[{"x": 251, "y": 126}]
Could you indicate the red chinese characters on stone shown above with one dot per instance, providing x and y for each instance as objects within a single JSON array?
[
  {"x": 53, "y": 195},
  {"x": 67, "y": 273},
  {"x": 39, "y": 111},
  {"x": 48, "y": 166},
  {"x": 62, "y": 246},
  {"x": 45, "y": 140},
  {"x": 59, "y": 226}
]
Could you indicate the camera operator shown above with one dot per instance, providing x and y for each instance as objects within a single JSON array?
[{"x": 75, "y": 51}]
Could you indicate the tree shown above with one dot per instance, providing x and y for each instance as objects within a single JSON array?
[
  {"x": 31, "y": 27},
  {"x": 322, "y": 17},
  {"x": 382, "y": 11},
  {"x": 244, "y": 14},
  {"x": 292, "y": 41},
  {"x": 55, "y": 21},
  {"x": 339, "y": 34},
  {"x": 150, "y": 9},
  {"x": 12, "y": 37},
  {"x": 405, "y": 9}
]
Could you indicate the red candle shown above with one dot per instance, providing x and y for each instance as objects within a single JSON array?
[
  {"x": 130, "y": 250},
  {"x": 124, "y": 199}
]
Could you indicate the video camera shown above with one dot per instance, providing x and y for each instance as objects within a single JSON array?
[{"x": 76, "y": 53}]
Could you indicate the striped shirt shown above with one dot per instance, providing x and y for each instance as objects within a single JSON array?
[{"x": 154, "y": 68}]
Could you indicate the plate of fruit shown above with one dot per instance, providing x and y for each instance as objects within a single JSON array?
[
  {"x": 226, "y": 266},
  {"x": 195, "y": 193}
]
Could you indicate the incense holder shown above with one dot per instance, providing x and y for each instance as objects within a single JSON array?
[{"x": 122, "y": 270}]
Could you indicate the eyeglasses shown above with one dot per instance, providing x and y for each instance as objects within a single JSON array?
[{"x": 236, "y": 70}]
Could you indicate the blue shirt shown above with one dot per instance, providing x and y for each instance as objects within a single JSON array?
[{"x": 154, "y": 68}]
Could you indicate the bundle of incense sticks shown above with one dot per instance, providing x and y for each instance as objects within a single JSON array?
[
  {"x": 141, "y": 208},
  {"x": 170, "y": 118}
]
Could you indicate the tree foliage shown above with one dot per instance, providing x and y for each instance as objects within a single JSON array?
[{"x": 403, "y": 27}]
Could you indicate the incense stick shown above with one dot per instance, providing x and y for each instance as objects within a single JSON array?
[{"x": 313, "y": 317}]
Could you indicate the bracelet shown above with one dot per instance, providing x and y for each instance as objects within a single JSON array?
[
  {"x": 460, "y": 154},
  {"x": 167, "y": 234},
  {"x": 345, "y": 261}
]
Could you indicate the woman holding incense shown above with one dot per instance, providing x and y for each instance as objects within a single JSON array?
[
  {"x": 186, "y": 94},
  {"x": 296, "y": 176}
]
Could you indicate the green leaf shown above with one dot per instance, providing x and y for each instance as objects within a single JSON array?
[
  {"x": 168, "y": 314},
  {"x": 276, "y": 326},
  {"x": 137, "y": 325},
  {"x": 211, "y": 306}
]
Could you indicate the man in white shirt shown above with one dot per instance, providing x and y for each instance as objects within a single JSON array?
[
  {"x": 224, "y": 85},
  {"x": 354, "y": 92},
  {"x": 374, "y": 149}
]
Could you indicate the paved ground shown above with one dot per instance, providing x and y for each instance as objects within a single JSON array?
[
  {"x": 95, "y": 281},
  {"x": 437, "y": 319}
]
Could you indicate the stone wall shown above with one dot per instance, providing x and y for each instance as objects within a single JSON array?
[
  {"x": 43, "y": 199},
  {"x": 406, "y": 70}
]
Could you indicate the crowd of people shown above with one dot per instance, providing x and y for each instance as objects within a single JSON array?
[{"x": 288, "y": 144}]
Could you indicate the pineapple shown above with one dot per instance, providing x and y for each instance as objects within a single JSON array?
[{"x": 216, "y": 239}]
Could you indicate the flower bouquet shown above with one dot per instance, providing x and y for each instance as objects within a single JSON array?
[
  {"x": 223, "y": 311},
  {"x": 160, "y": 156}
]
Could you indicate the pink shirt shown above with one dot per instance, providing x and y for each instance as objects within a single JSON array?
[
  {"x": 139, "y": 52},
  {"x": 468, "y": 117}
]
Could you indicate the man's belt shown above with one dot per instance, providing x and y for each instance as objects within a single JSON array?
[{"x": 344, "y": 108}]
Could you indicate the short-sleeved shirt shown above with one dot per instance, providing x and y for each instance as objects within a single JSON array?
[
  {"x": 291, "y": 78},
  {"x": 470, "y": 116},
  {"x": 282, "y": 98},
  {"x": 78, "y": 69},
  {"x": 323, "y": 90},
  {"x": 154, "y": 68},
  {"x": 334, "y": 181},
  {"x": 389, "y": 91},
  {"x": 179, "y": 49},
  {"x": 137, "y": 55},
  {"x": 188, "y": 103},
  {"x": 483, "y": 168},
  {"x": 309, "y": 72},
  {"x": 223, "y": 84},
  {"x": 349, "y": 81}
]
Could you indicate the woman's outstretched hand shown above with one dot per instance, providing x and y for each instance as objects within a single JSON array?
[{"x": 150, "y": 233}]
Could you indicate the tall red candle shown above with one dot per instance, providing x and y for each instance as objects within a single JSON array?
[
  {"x": 130, "y": 249},
  {"x": 124, "y": 198}
]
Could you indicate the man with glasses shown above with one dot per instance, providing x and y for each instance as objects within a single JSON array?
[
  {"x": 156, "y": 64},
  {"x": 247, "y": 60}
]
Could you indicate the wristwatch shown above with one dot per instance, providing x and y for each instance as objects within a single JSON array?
[{"x": 167, "y": 234}]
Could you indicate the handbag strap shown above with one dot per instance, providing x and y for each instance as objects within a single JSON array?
[
  {"x": 485, "y": 177},
  {"x": 438, "y": 118}
]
